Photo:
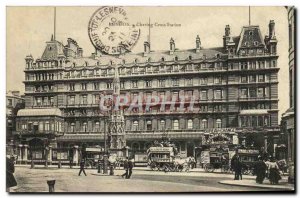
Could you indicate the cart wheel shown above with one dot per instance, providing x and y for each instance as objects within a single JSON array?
[
  {"x": 166, "y": 168},
  {"x": 246, "y": 171}
]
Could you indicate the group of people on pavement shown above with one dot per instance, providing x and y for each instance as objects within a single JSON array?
[
  {"x": 262, "y": 169},
  {"x": 128, "y": 166},
  {"x": 267, "y": 169}
]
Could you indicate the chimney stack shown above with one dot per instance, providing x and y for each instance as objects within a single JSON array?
[
  {"x": 271, "y": 29},
  {"x": 198, "y": 44},
  {"x": 227, "y": 30}
]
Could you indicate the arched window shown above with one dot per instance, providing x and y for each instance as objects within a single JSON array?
[
  {"x": 163, "y": 59},
  {"x": 135, "y": 125},
  {"x": 72, "y": 127},
  {"x": 219, "y": 123},
  {"x": 149, "y": 125},
  {"x": 204, "y": 124},
  {"x": 190, "y": 124},
  {"x": 162, "y": 124},
  {"x": 175, "y": 124}
]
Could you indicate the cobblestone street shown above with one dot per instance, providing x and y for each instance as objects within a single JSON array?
[{"x": 67, "y": 180}]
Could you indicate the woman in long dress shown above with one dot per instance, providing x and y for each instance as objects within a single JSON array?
[{"x": 274, "y": 176}]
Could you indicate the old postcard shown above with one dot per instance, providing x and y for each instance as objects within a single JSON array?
[{"x": 150, "y": 99}]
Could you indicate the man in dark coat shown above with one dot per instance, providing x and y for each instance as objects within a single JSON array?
[
  {"x": 260, "y": 171},
  {"x": 236, "y": 165},
  {"x": 10, "y": 169},
  {"x": 130, "y": 167},
  {"x": 125, "y": 168},
  {"x": 82, "y": 163}
]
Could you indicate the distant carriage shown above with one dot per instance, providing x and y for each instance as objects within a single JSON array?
[{"x": 163, "y": 159}]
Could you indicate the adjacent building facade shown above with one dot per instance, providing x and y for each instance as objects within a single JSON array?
[
  {"x": 234, "y": 91},
  {"x": 288, "y": 118}
]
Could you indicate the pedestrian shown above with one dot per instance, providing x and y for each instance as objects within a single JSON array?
[
  {"x": 10, "y": 169},
  {"x": 234, "y": 166},
  {"x": 130, "y": 167},
  {"x": 267, "y": 162},
  {"x": 82, "y": 163},
  {"x": 125, "y": 168},
  {"x": 274, "y": 174},
  {"x": 239, "y": 167},
  {"x": 260, "y": 169}
]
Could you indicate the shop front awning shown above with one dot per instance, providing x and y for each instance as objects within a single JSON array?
[
  {"x": 254, "y": 112},
  {"x": 39, "y": 112}
]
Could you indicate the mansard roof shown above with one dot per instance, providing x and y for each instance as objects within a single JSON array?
[
  {"x": 154, "y": 57},
  {"x": 53, "y": 50},
  {"x": 250, "y": 37}
]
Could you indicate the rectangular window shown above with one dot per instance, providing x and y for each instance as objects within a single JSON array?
[
  {"x": 175, "y": 95},
  {"x": 135, "y": 84},
  {"x": 252, "y": 92},
  {"x": 51, "y": 100},
  {"x": 252, "y": 78},
  {"x": 203, "y": 108},
  {"x": 39, "y": 101},
  {"x": 203, "y": 95},
  {"x": 244, "y": 65},
  {"x": 47, "y": 126},
  {"x": 122, "y": 84},
  {"x": 175, "y": 82},
  {"x": 189, "y": 81},
  {"x": 72, "y": 87},
  {"x": 244, "y": 78},
  {"x": 260, "y": 92},
  {"x": 162, "y": 83},
  {"x": 84, "y": 99},
  {"x": 108, "y": 85},
  {"x": 41, "y": 126},
  {"x": 96, "y": 86},
  {"x": 96, "y": 99},
  {"x": 218, "y": 94},
  {"x": 175, "y": 124},
  {"x": 148, "y": 83},
  {"x": 218, "y": 80},
  {"x": 261, "y": 78},
  {"x": 204, "y": 81},
  {"x": 244, "y": 93},
  {"x": 71, "y": 100}
]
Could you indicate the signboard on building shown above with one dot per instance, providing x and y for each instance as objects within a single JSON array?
[
  {"x": 204, "y": 158},
  {"x": 248, "y": 151}
]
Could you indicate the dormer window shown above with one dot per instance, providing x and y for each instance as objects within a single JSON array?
[
  {"x": 50, "y": 48},
  {"x": 111, "y": 62},
  {"x": 86, "y": 63},
  {"x": 217, "y": 56},
  {"x": 250, "y": 33},
  {"x": 190, "y": 57},
  {"x": 176, "y": 58},
  {"x": 98, "y": 63},
  {"x": 149, "y": 60},
  {"x": 74, "y": 64},
  {"x": 123, "y": 61},
  {"x": 162, "y": 59},
  {"x": 255, "y": 43}
]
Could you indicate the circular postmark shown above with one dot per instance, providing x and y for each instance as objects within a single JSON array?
[{"x": 111, "y": 32}]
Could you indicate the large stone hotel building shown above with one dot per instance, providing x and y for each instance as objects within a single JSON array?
[{"x": 234, "y": 86}]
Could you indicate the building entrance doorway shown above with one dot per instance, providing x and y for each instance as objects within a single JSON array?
[{"x": 190, "y": 149}]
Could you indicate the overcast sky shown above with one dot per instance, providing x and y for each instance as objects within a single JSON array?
[{"x": 28, "y": 28}]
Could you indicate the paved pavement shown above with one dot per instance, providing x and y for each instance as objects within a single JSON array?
[
  {"x": 143, "y": 180},
  {"x": 283, "y": 184}
]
